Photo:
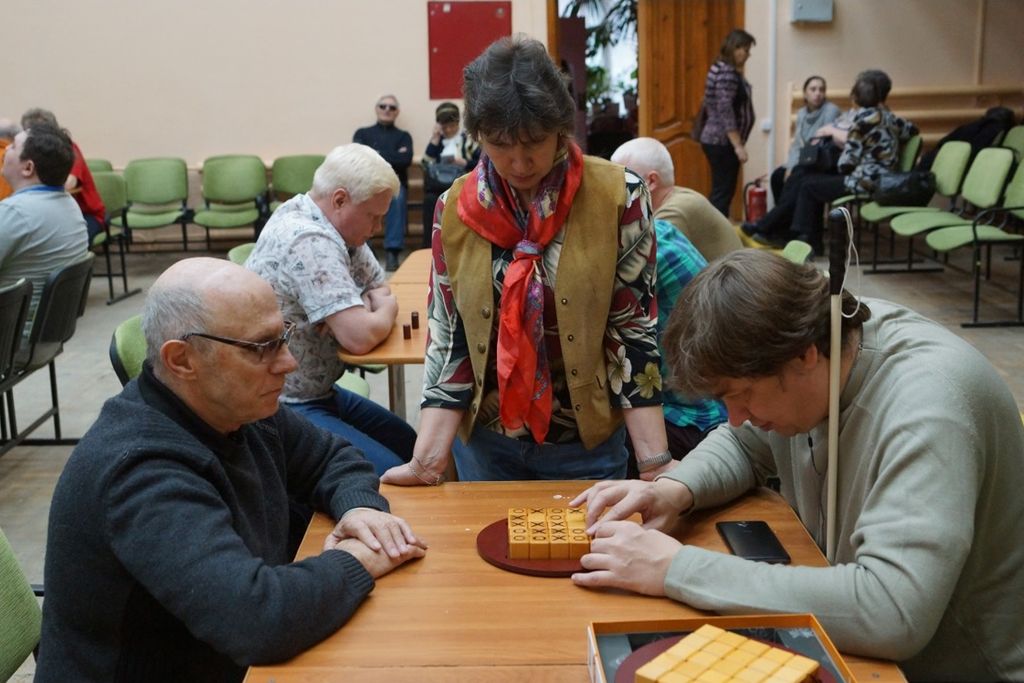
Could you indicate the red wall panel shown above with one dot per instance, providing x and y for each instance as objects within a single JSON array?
[{"x": 457, "y": 33}]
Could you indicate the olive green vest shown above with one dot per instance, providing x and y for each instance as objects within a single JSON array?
[{"x": 583, "y": 295}]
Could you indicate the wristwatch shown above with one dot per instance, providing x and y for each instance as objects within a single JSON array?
[{"x": 653, "y": 462}]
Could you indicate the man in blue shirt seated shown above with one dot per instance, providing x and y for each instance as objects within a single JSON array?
[{"x": 167, "y": 554}]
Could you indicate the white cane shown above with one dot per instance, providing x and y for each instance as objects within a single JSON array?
[{"x": 838, "y": 224}]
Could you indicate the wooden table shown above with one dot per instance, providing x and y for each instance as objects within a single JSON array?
[
  {"x": 409, "y": 285},
  {"x": 453, "y": 617}
]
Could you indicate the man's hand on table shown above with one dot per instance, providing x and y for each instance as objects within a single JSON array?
[
  {"x": 625, "y": 555},
  {"x": 379, "y": 532},
  {"x": 658, "y": 502},
  {"x": 377, "y": 563}
]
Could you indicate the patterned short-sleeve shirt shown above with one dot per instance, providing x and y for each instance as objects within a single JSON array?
[{"x": 315, "y": 275}]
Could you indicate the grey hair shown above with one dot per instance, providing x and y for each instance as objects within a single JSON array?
[
  {"x": 359, "y": 169},
  {"x": 644, "y": 155},
  {"x": 8, "y": 129},
  {"x": 171, "y": 312},
  {"x": 514, "y": 92},
  {"x": 389, "y": 97}
]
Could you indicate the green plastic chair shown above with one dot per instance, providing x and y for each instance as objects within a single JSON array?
[
  {"x": 976, "y": 234},
  {"x": 235, "y": 192},
  {"x": 240, "y": 254},
  {"x": 157, "y": 194},
  {"x": 112, "y": 191},
  {"x": 354, "y": 383},
  {"x": 21, "y": 620},
  {"x": 128, "y": 349},
  {"x": 292, "y": 175},
  {"x": 797, "y": 251},
  {"x": 1014, "y": 140},
  {"x": 948, "y": 169},
  {"x": 982, "y": 189},
  {"x": 99, "y": 165}
]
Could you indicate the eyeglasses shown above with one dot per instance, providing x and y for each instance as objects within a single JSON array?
[
  {"x": 387, "y": 107},
  {"x": 267, "y": 349}
]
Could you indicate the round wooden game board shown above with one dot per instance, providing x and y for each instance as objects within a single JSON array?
[{"x": 492, "y": 544}]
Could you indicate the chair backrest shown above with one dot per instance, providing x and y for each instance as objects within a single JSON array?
[
  {"x": 99, "y": 165},
  {"x": 111, "y": 187},
  {"x": 61, "y": 304},
  {"x": 983, "y": 186},
  {"x": 293, "y": 175},
  {"x": 949, "y": 167},
  {"x": 128, "y": 349},
  {"x": 241, "y": 253},
  {"x": 1015, "y": 192},
  {"x": 234, "y": 179},
  {"x": 909, "y": 152},
  {"x": 797, "y": 251},
  {"x": 20, "y": 617},
  {"x": 157, "y": 181},
  {"x": 14, "y": 302},
  {"x": 1014, "y": 139}
]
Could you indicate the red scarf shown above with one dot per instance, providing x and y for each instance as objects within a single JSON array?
[{"x": 524, "y": 380}]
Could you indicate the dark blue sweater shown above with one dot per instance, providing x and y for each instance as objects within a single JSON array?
[
  {"x": 167, "y": 559},
  {"x": 388, "y": 140}
]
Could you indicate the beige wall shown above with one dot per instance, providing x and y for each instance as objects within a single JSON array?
[
  {"x": 194, "y": 78},
  {"x": 917, "y": 42}
]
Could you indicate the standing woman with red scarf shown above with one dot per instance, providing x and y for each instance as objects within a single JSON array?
[{"x": 542, "y": 348}]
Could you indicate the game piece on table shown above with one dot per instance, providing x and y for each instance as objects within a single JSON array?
[
  {"x": 548, "y": 534},
  {"x": 406, "y": 332},
  {"x": 713, "y": 655},
  {"x": 415, "y": 319}
]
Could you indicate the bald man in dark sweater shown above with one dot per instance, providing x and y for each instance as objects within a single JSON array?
[{"x": 167, "y": 557}]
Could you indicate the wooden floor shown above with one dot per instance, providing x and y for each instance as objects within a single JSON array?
[{"x": 28, "y": 474}]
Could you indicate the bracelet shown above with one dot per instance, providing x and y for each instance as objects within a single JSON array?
[
  {"x": 653, "y": 462},
  {"x": 439, "y": 478}
]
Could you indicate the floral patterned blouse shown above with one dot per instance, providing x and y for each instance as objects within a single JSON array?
[{"x": 630, "y": 338}]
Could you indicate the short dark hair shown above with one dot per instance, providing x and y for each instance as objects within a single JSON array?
[
  {"x": 50, "y": 149},
  {"x": 38, "y": 115},
  {"x": 514, "y": 91},
  {"x": 736, "y": 39},
  {"x": 871, "y": 88},
  {"x": 814, "y": 78},
  {"x": 748, "y": 314},
  {"x": 447, "y": 112}
]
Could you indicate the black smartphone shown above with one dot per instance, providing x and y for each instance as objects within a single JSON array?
[{"x": 753, "y": 540}]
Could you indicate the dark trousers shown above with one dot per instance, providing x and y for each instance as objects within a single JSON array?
[
  {"x": 778, "y": 179},
  {"x": 725, "y": 170},
  {"x": 776, "y": 223},
  {"x": 429, "y": 200},
  {"x": 815, "y": 191}
]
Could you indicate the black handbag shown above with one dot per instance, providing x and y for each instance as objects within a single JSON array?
[
  {"x": 439, "y": 176},
  {"x": 912, "y": 188},
  {"x": 699, "y": 121},
  {"x": 820, "y": 155}
]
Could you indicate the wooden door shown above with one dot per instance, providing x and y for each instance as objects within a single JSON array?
[{"x": 678, "y": 41}]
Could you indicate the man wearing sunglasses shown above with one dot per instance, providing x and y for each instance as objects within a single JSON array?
[
  {"x": 168, "y": 555},
  {"x": 395, "y": 145}
]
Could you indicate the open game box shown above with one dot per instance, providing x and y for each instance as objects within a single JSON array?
[{"x": 611, "y": 643}]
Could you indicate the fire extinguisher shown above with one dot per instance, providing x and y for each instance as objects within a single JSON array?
[{"x": 755, "y": 200}]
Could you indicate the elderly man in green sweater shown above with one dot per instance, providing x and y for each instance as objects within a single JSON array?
[
  {"x": 168, "y": 556},
  {"x": 929, "y": 563}
]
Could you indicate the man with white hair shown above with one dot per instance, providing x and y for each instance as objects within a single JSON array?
[
  {"x": 313, "y": 252},
  {"x": 168, "y": 553},
  {"x": 689, "y": 211}
]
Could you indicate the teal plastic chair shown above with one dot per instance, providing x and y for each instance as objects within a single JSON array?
[
  {"x": 240, "y": 254},
  {"x": 292, "y": 175},
  {"x": 127, "y": 349},
  {"x": 99, "y": 165},
  {"x": 982, "y": 189},
  {"x": 157, "y": 194},
  {"x": 21, "y": 619},
  {"x": 111, "y": 187},
  {"x": 978, "y": 234},
  {"x": 235, "y": 192}
]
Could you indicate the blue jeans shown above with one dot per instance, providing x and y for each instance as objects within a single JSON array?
[
  {"x": 384, "y": 438},
  {"x": 490, "y": 456},
  {"x": 394, "y": 221}
]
